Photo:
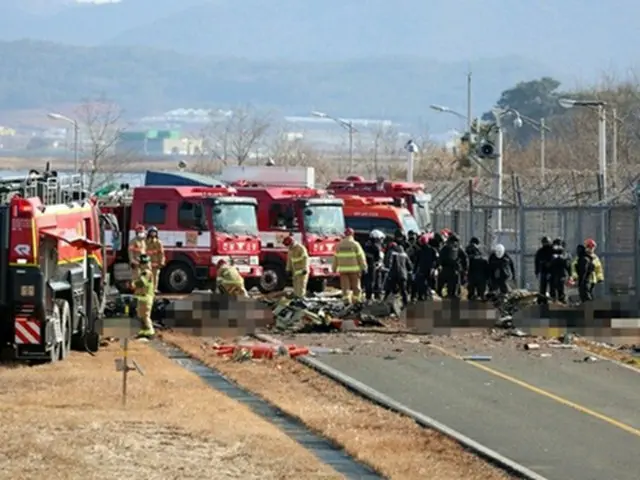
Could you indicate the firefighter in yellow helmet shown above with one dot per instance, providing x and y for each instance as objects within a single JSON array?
[
  {"x": 297, "y": 265},
  {"x": 229, "y": 281},
  {"x": 350, "y": 263},
  {"x": 155, "y": 251},
  {"x": 145, "y": 295},
  {"x": 137, "y": 248}
]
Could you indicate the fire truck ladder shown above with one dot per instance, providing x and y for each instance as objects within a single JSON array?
[{"x": 48, "y": 186}]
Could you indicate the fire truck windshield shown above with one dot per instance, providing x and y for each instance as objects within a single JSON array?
[
  {"x": 421, "y": 212},
  {"x": 409, "y": 223},
  {"x": 235, "y": 218},
  {"x": 324, "y": 219}
]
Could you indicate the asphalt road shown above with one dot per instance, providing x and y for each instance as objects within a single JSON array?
[{"x": 561, "y": 417}]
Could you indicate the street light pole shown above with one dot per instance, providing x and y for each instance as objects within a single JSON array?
[
  {"x": 543, "y": 148},
  {"x": 602, "y": 150},
  {"x": 469, "y": 103},
  {"x": 76, "y": 131},
  {"x": 614, "y": 148},
  {"x": 347, "y": 125}
]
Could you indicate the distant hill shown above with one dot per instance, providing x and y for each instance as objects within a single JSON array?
[
  {"x": 574, "y": 36},
  {"x": 39, "y": 74}
]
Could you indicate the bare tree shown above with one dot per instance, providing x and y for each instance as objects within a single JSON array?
[
  {"x": 99, "y": 125},
  {"x": 385, "y": 146},
  {"x": 235, "y": 134}
]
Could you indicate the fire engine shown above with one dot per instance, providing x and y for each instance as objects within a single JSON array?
[
  {"x": 384, "y": 214},
  {"x": 412, "y": 194},
  {"x": 197, "y": 225},
  {"x": 51, "y": 263}
]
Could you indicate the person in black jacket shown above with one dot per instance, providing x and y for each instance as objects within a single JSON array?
[
  {"x": 426, "y": 265},
  {"x": 501, "y": 270},
  {"x": 373, "y": 253},
  {"x": 542, "y": 268},
  {"x": 584, "y": 273},
  {"x": 453, "y": 262},
  {"x": 478, "y": 271},
  {"x": 559, "y": 272},
  {"x": 399, "y": 271}
]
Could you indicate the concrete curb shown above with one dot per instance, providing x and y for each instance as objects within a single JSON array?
[{"x": 383, "y": 400}]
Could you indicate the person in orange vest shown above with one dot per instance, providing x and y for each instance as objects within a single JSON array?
[
  {"x": 137, "y": 248},
  {"x": 155, "y": 251},
  {"x": 297, "y": 265},
  {"x": 587, "y": 270},
  {"x": 350, "y": 263},
  {"x": 229, "y": 281}
]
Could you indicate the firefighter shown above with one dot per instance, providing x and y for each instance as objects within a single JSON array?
[
  {"x": 374, "y": 256},
  {"x": 137, "y": 248},
  {"x": 559, "y": 272},
  {"x": 478, "y": 271},
  {"x": 501, "y": 270},
  {"x": 297, "y": 265},
  {"x": 229, "y": 281},
  {"x": 542, "y": 268},
  {"x": 425, "y": 267},
  {"x": 399, "y": 272},
  {"x": 586, "y": 269},
  {"x": 453, "y": 262},
  {"x": 155, "y": 251},
  {"x": 350, "y": 263},
  {"x": 145, "y": 295}
]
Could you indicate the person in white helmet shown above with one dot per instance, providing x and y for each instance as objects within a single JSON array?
[
  {"x": 501, "y": 270},
  {"x": 372, "y": 279}
]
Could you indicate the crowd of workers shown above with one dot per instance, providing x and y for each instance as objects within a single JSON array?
[{"x": 414, "y": 266}]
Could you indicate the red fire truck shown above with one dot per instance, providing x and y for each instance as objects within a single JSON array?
[
  {"x": 197, "y": 225},
  {"x": 51, "y": 265},
  {"x": 406, "y": 194},
  {"x": 310, "y": 215}
]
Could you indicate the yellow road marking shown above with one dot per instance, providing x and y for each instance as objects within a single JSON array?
[{"x": 544, "y": 393}]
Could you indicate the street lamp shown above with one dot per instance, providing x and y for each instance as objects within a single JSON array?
[
  {"x": 443, "y": 109},
  {"x": 602, "y": 132},
  {"x": 411, "y": 149},
  {"x": 541, "y": 127},
  {"x": 347, "y": 125},
  {"x": 63, "y": 118}
]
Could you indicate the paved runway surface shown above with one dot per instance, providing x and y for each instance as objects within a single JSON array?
[{"x": 563, "y": 418}]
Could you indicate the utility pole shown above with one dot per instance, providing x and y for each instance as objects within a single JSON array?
[
  {"x": 469, "y": 103},
  {"x": 614, "y": 149},
  {"x": 602, "y": 150},
  {"x": 543, "y": 147}
]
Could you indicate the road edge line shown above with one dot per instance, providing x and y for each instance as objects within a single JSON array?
[{"x": 424, "y": 421}]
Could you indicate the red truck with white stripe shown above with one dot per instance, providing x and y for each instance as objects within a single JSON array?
[
  {"x": 313, "y": 218},
  {"x": 198, "y": 226},
  {"x": 51, "y": 265}
]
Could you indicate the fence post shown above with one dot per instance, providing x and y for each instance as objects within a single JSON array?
[{"x": 523, "y": 244}]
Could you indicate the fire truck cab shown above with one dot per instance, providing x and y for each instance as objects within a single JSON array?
[
  {"x": 51, "y": 264},
  {"x": 384, "y": 214},
  {"x": 313, "y": 218},
  {"x": 198, "y": 226},
  {"x": 413, "y": 194}
]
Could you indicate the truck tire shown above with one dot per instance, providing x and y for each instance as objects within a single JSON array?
[
  {"x": 178, "y": 277},
  {"x": 316, "y": 285},
  {"x": 92, "y": 335},
  {"x": 273, "y": 278},
  {"x": 67, "y": 328},
  {"x": 54, "y": 353}
]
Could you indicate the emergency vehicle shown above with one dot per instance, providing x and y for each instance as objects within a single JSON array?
[
  {"x": 366, "y": 214},
  {"x": 289, "y": 205},
  {"x": 51, "y": 265},
  {"x": 409, "y": 195},
  {"x": 198, "y": 226}
]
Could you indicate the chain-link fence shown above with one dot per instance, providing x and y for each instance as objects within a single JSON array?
[{"x": 570, "y": 208}]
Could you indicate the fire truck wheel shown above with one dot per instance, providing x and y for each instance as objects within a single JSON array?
[
  {"x": 178, "y": 277},
  {"x": 273, "y": 278},
  {"x": 54, "y": 353},
  {"x": 65, "y": 325}
]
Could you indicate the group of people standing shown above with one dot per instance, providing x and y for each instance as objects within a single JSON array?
[{"x": 417, "y": 266}]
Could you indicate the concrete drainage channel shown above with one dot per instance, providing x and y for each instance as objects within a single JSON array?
[
  {"x": 363, "y": 390},
  {"x": 322, "y": 448}
]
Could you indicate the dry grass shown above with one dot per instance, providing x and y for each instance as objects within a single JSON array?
[
  {"x": 607, "y": 352},
  {"x": 65, "y": 421},
  {"x": 394, "y": 445}
]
